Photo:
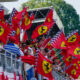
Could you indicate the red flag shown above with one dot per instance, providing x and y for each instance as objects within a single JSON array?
[
  {"x": 45, "y": 41},
  {"x": 20, "y": 77},
  {"x": 16, "y": 35},
  {"x": 18, "y": 16},
  {"x": 6, "y": 78},
  {"x": 44, "y": 66},
  {"x": 28, "y": 59},
  {"x": 27, "y": 21},
  {"x": 73, "y": 38},
  {"x": 49, "y": 18},
  {"x": 72, "y": 71},
  {"x": 58, "y": 41},
  {"x": 2, "y": 15},
  {"x": 2, "y": 77},
  {"x": 25, "y": 37},
  {"x": 15, "y": 78},
  {"x": 42, "y": 29},
  {"x": 4, "y": 32},
  {"x": 74, "y": 50}
]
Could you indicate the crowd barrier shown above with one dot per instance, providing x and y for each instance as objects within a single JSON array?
[{"x": 10, "y": 64}]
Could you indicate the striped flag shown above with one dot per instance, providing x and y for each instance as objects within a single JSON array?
[
  {"x": 58, "y": 41},
  {"x": 14, "y": 11}
]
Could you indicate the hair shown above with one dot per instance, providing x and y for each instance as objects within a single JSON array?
[
  {"x": 46, "y": 50},
  {"x": 28, "y": 42}
]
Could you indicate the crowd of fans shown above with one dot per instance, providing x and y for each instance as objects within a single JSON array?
[{"x": 29, "y": 48}]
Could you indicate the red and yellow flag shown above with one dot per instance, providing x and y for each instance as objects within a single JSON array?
[
  {"x": 74, "y": 50},
  {"x": 4, "y": 32},
  {"x": 42, "y": 29},
  {"x": 73, "y": 38},
  {"x": 27, "y": 21},
  {"x": 58, "y": 41},
  {"x": 44, "y": 66},
  {"x": 25, "y": 37}
]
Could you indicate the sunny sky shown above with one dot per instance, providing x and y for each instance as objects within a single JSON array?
[{"x": 11, "y": 5}]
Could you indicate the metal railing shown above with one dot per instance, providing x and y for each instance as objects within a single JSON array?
[{"x": 10, "y": 63}]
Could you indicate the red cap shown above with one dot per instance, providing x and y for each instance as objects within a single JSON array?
[{"x": 12, "y": 39}]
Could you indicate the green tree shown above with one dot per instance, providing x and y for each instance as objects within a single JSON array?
[{"x": 66, "y": 12}]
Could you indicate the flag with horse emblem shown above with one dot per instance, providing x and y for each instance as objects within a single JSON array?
[
  {"x": 58, "y": 41},
  {"x": 27, "y": 21},
  {"x": 73, "y": 38},
  {"x": 42, "y": 29},
  {"x": 74, "y": 69},
  {"x": 4, "y": 32},
  {"x": 74, "y": 50},
  {"x": 44, "y": 66}
]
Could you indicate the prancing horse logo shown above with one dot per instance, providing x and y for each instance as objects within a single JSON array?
[
  {"x": 42, "y": 30},
  {"x": 46, "y": 66}
]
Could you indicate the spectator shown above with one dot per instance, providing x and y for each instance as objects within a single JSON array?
[
  {"x": 29, "y": 68},
  {"x": 13, "y": 48}
]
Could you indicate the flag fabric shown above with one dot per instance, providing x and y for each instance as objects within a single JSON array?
[
  {"x": 73, "y": 38},
  {"x": 2, "y": 14},
  {"x": 72, "y": 71},
  {"x": 67, "y": 57},
  {"x": 41, "y": 30},
  {"x": 17, "y": 17},
  {"x": 27, "y": 21},
  {"x": 4, "y": 32},
  {"x": 15, "y": 32},
  {"x": 7, "y": 78},
  {"x": 49, "y": 46},
  {"x": 44, "y": 28},
  {"x": 44, "y": 66},
  {"x": 14, "y": 11},
  {"x": 44, "y": 42},
  {"x": 25, "y": 37},
  {"x": 74, "y": 50},
  {"x": 15, "y": 78},
  {"x": 20, "y": 77},
  {"x": 2, "y": 77},
  {"x": 58, "y": 41},
  {"x": 49, "y": 17},
  {"x": 28, "y": 59}
]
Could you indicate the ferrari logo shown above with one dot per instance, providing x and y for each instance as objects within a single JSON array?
[
  {"x": 63, "y": 44},
  {"x": 18, "y": 31},
  {"x": 1, "y": 30},
  {"x": 75, "y": 66},
  {"x": 69, "y": 59},
  {"x": 42, "y": 30},
  {"x": 46, "y": 66},
  {"x": 72, "y": 38},
  {"x": 73, "y": 72},
  {"x": 79, "y": 63},
  {"x": 77, "y": 51},
  {"x": 49, "y": 44},
  {"x": 27, "y": 21}
]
